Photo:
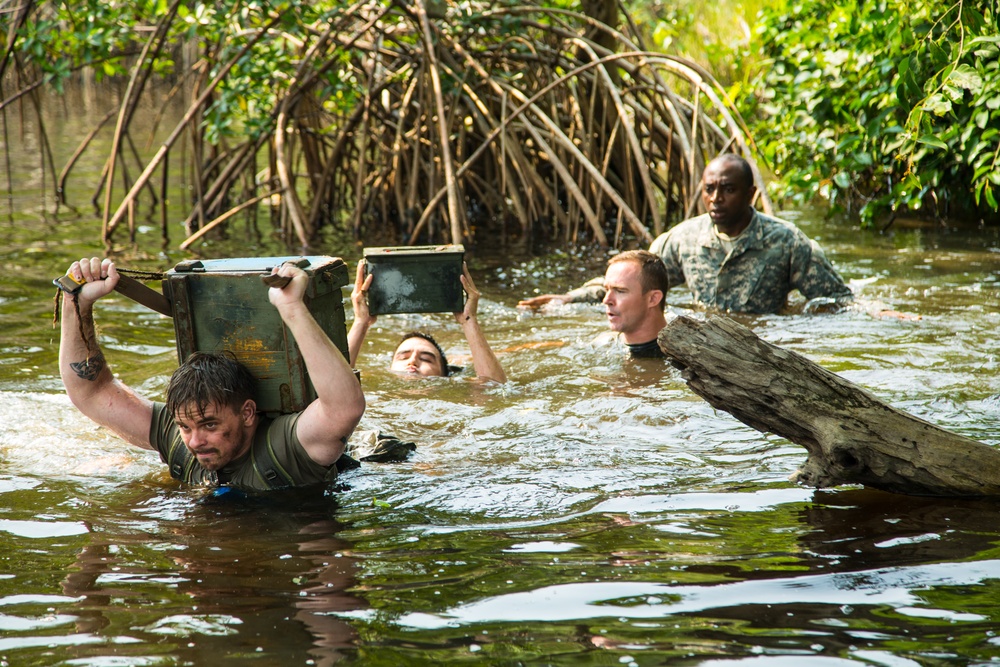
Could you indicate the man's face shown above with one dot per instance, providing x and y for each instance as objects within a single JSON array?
[
  {"x": 726, "y": 195},
  {"x": 218, "y": 435},
  {"x": 417, "y": 356},
  {"x": 627, "y": 306}
]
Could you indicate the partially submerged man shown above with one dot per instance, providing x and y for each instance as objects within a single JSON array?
[
  {"x": 635, "y": 286},
  {"x": 417, "y": 352},
  {"x": 209, "y": 431},
  {"x": 734, "y": 258}
]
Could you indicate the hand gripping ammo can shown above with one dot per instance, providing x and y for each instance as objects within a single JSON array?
[
  {"x": 222, "y": 305},
  {"x": 415, "y": 279}
]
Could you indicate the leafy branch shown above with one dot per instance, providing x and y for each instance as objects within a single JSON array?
[{"x": 895, "y": 102}]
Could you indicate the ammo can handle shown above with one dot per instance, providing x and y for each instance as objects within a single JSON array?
[
  {"x": 128, "y": 286},
  {"x": 273, "y": 280},
  {"x": 68, "y": 283}
]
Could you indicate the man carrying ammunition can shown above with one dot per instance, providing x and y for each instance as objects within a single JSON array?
[{"x": 209, "y": 430}]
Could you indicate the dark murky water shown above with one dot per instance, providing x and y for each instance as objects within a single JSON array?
[{"x": 590, "y": 512}]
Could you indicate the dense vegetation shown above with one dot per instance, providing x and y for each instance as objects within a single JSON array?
[
  {"x": 431, "y": 121},
  {"x": 882, "y": 106},
  {"x": 421, "y": 121}
]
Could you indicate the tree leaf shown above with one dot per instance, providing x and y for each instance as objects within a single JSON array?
[
  {"x": 954, "y": 94},
  {"x": 937, "y": 104},
  {"x": 966, "y": 76},
  {"x": 931, "y": 140}
]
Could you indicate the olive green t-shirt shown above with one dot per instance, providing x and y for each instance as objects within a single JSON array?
[{"x": 276, "y": 454}]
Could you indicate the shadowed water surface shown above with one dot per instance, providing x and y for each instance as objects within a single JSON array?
[{"x": 592, "y": 511}]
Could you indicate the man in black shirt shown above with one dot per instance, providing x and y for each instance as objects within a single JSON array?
[{"x": 635, "y": 286}]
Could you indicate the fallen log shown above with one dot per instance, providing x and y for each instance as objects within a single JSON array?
[{"x": 851, "y": 436}]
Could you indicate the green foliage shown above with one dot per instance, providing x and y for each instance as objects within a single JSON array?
[
  {"x": 881, "y": 106},
  {"x": 106, "y": 37},
  {"x": 63, "y": 38},
  {"x": 715, "y": 35}
]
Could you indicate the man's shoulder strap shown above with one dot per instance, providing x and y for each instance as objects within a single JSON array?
[
  {"x": 265, "y": 461},
  {"x": 180, "y": 460}
]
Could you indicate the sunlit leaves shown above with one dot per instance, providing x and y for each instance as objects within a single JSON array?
[
  {"x": 104, "y": 38},
  {"x": 937, "y": 104},
  {"x": 878, "y": 106},
  {"x": 965, "y": 76}
]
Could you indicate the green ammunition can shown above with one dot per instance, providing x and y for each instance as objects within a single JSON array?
[
  {"x": 222, "y": 305},
  {"x": 415, "y": 279}
]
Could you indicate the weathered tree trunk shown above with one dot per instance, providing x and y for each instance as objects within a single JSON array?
[{"x": 851, "y": 436}]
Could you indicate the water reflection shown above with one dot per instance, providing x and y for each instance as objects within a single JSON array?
[
  {"x": 889, "y": 588},
  {"x": 820, "y": 594},
  {"x": 867, "y": 529},
  {"x": 234, "y": 572}
]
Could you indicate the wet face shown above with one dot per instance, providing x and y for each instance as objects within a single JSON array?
[
  {"x": 727, "y": 196},
  {"x": 627, "y": 305},
  {"x": 218, "y": 435},
  {"x": 417, "y": 357}
]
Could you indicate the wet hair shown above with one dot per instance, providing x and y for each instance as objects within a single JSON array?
[
  {"x": 206, "y": 379},
  {"x": 746, "y": 171},
  {"x": 653, "y": 274},
  {"x": 430, "y": 339}
]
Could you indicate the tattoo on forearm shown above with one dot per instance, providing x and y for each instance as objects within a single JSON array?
[
  {"x": 85, "y": 323},
  {"x": 89, "y": 368}
]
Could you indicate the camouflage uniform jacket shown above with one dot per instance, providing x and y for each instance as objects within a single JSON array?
[{"x": 768, "y": 260}]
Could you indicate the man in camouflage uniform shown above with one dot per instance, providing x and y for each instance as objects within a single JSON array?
[{"x": 734, "y": 258}]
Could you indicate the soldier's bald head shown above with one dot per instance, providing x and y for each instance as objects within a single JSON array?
[{"x": 745, "y": 170}]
